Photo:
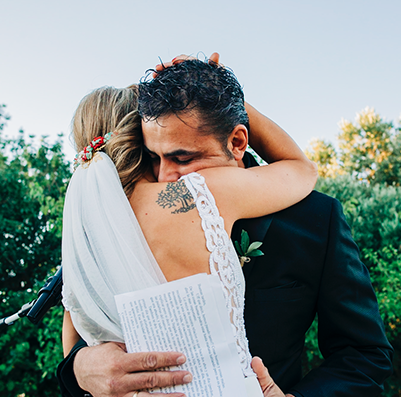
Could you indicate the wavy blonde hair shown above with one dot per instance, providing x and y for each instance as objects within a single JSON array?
[{"x": 109, "y": 109}]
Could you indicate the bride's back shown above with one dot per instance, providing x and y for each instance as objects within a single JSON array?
[{"x": 174, "y": 233}]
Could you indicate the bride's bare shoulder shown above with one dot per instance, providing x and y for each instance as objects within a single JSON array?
[{"x": 174, "y": 197}]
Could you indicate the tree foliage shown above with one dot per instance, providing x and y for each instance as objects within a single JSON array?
[
  {"x": 324, "y": 155},
  {"x": 364, "y": 174},
  {"x": 369, "y": 150},
  {"x": 32, "y": 188},
  {"x": 373, "y": 213}
]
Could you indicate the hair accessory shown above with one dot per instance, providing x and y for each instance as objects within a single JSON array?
[{"x": 95, "y": 146}]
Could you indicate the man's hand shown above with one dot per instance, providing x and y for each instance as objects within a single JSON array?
[
  {"x": 269, "y": 388},
  {"x": 108, "y": 370}
]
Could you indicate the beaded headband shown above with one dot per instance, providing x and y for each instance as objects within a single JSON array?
[{"x": 89, "y": 151}]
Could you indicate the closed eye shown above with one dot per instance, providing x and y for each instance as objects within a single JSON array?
[{"x": 182, "y": 161}]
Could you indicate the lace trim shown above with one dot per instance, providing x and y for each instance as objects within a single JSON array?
[{"x": 223, "y": 262}]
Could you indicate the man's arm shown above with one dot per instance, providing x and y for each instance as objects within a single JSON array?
[
  {"x": 351, "y": 332},
  {"x": 108, "y": 370}
]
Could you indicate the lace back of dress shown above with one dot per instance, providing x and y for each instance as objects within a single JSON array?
[{"x": 223, "y": 262}]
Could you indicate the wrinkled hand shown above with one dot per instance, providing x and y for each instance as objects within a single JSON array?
[
  {"x": 108, "y": 370},
  {"x": 269, "y": 388},
  {"x": 181, "y": 58}
]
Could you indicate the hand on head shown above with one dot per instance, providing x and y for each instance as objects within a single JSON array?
[{"x": 215, "y": 57}]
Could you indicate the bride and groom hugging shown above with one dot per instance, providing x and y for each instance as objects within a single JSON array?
[{"x": 194, "y": 119}]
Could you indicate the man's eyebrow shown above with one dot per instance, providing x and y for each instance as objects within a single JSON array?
[
  {"x": 175, "y": 153},
  {"x": 182, "y": 152}
]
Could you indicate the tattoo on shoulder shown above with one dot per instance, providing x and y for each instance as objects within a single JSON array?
[{"x": 176, "y": 195}]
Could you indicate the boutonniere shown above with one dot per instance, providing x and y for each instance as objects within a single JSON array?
[{"x": 245, "y": 250}]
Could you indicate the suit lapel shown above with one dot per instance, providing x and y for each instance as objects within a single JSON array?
[{"x": 256, "y": 227}]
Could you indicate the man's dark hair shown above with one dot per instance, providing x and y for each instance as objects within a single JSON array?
[{"x": 210, "y": 90}]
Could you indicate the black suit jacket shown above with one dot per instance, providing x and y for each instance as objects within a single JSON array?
[{"x": 311, "y": 265}]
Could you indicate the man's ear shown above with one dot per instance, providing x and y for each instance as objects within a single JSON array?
[{"x": 238, "y": 141}]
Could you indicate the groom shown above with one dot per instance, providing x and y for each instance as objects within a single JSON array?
[{"x": 311, "y": 264}]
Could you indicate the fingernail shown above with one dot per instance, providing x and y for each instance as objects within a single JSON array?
[
  {"x": 181, "y": 360},
  {"x": 187, "y": 378}
]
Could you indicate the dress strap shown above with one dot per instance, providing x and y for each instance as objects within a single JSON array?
[{"x": 223, "y": 262}]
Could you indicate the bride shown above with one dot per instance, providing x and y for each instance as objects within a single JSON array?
[{"x": 124, "y": 231}]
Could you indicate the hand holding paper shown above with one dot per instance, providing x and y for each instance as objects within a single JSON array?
[{"x": 187, "y": 315}]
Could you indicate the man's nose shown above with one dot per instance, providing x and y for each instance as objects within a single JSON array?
[{"x": 168, "y": 172}]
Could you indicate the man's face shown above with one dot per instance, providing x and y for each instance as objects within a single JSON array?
[{"x": 176, "y": 147}]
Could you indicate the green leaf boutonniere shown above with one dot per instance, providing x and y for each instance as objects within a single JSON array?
[{"x": 245, "y": 250}]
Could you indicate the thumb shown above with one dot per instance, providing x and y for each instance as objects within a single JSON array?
[{"x": 262, "y": 373}]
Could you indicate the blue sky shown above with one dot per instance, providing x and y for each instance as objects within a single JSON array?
[{"x": 306, "y": 64}]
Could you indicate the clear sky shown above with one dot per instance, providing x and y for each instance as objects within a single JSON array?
[{"x": 304, "y": 63}]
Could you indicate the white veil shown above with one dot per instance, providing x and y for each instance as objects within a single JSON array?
[{"x": 104, "y": 252}]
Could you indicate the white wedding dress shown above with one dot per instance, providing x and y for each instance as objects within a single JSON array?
[{"x": 104, "y": 253}]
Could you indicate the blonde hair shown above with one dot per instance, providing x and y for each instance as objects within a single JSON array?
[{"x": 109, "y": 109}]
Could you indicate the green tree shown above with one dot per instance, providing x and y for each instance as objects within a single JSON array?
[
  {"x": 32, "y": 188},
  {"x": 3, "y": 117},
  {"x": 364, "y": 174},
  {"x": 389, "y": 171},
  {"x": 365, "y": 144},
  {"x": 369, "y": 150},
  {"x": 324, "y": 155},
  {"x": 373, "y": 213}
]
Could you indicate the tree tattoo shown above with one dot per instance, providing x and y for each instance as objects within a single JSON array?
[{"x": 176, "y": 195}]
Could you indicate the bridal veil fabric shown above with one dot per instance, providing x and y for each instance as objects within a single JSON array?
[{"x": 104, "y": 252}]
